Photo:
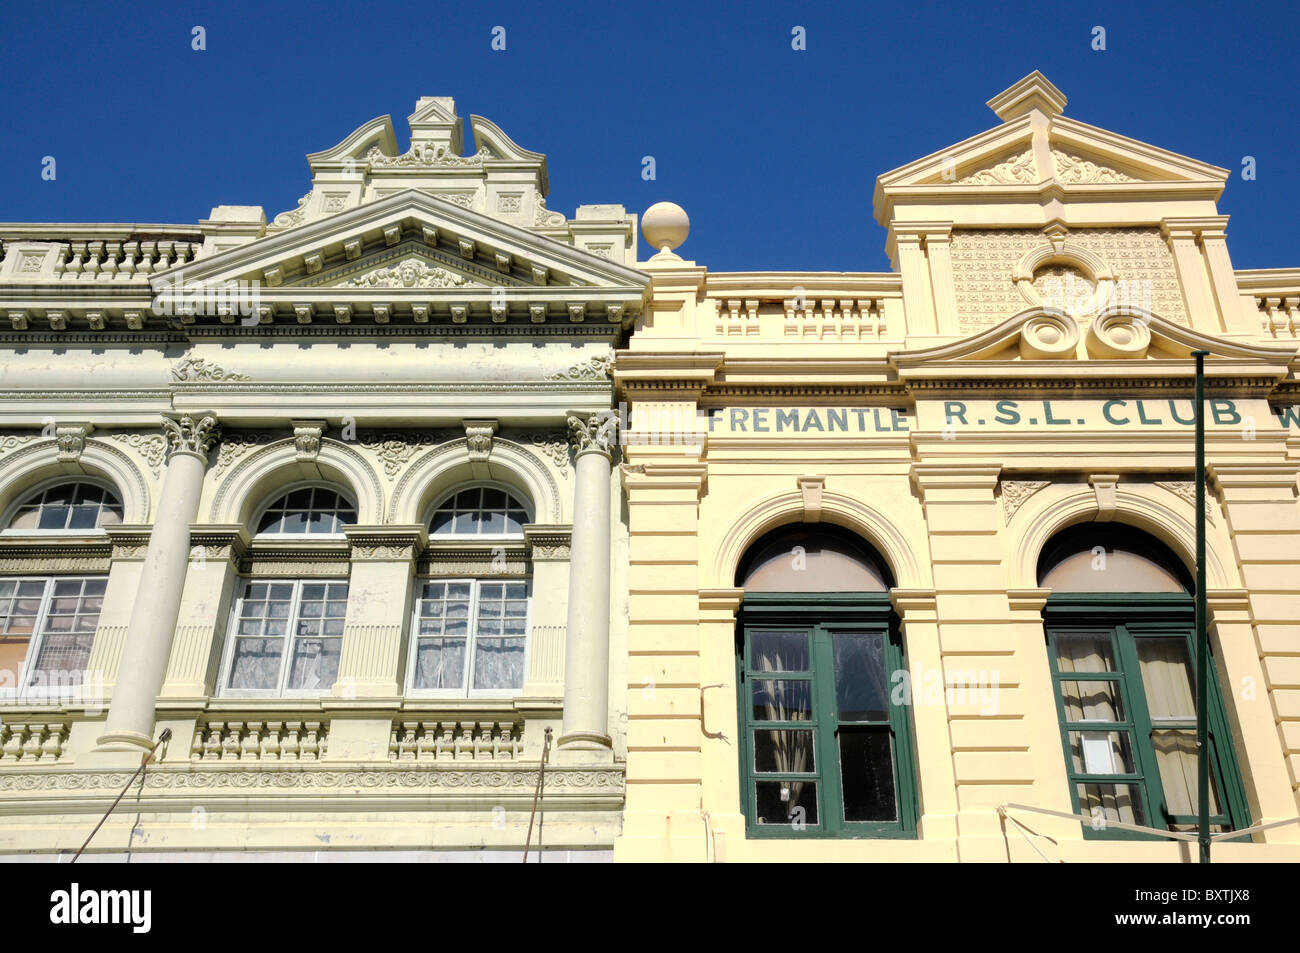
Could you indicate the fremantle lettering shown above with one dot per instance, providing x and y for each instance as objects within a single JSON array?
[{"x": 1116, "y": 412}]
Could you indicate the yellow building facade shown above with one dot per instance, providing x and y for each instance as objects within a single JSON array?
[{"x": 910, "y": 553}]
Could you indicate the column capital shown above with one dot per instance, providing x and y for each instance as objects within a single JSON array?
[
  {"x": 192, "y": 434},
  {"x": 594, "y": 433}
]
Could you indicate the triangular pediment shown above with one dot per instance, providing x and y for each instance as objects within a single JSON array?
[
  {"x": 1115, "y": 342},
  {"x": 1037, "y": 153},
  {"x": 412, "y": 253}
]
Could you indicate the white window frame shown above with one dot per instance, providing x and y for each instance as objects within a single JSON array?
[
  {"x": 284, "y": 491},
  {"x": 11, "y": 511},
  {"x": 291, "y": 637},
  {"x": 514, "y": 492},
  {"x": 467, "y": 690},
  {"x": 22, "y": 691}
]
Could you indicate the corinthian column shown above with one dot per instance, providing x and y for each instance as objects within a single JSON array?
[
  {"x": 158, "y": 599},
  {"x": 586, "y": 645}
]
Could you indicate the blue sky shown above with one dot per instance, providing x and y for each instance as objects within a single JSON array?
[{"x": 773, "y": 152}]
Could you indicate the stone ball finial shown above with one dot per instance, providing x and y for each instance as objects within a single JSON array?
[{"x": 665, "y": 225}]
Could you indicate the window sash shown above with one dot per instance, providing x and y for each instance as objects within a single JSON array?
[
  {"x": 1125, "y": 638},
  {"x": 290, "y": 641},
  {"x": 472, "y": 638},
  {"x": 22, "y": 688},
  {"x": 801, "y": 612}
]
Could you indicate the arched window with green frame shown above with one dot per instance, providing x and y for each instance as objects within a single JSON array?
[
  {"x": 825, "y": 750},
  {"x": 1120, "y": 627}
]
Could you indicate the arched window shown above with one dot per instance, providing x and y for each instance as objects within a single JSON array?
[
  {"x": 68, "y": 506},
  {"x": 310, "y": 509},
  {"x": 48, "y": 622},
  {"x": 286, "y": 634},
  {"x": 479, "y": 511},
  {"x": 1120, "y": 626},
  {"x": 826, "y": 742},
  {"x": 471, "y": 633}
]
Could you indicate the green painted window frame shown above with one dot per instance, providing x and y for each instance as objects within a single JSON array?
[
  {"x": 1129, "y": 617},
  {"x": 823, "y": 615}
]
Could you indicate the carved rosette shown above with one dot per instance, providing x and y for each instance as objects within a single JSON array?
[
  {"x": 597, "y": 433},
  {"x": 395, "y": 448},
  {"x": 191, "y": 434}
]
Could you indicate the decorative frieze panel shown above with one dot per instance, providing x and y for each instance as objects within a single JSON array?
[
  {"x": 984, "y": 263},
  {"x": 30, "y": 742},
  {"x": 259, "y": 740},
  {"x": 450, "y": 782},
  {"x": 456, "y": 739}
]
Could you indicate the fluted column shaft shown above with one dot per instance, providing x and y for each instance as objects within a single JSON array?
[
  {"x": 158, "y": 599},
  {"x": 586, "y": 647}
]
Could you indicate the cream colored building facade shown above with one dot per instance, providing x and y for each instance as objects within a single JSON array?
[
  {"x": 959, "y": 439},
  {"x": 362, "y": 501},
  {"x": 330, "y": 497}
]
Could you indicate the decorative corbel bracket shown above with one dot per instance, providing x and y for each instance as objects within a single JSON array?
[
  {"x": 1104, "y": 486},
  {"x": 71, "y": 440}
]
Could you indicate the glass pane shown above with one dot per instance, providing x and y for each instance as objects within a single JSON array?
[
  {"x": 439, "y": 663},
  {"x": 54, "y": 517},
  {"x": 784, "y": 751},
  {"x": 782, "y": 699},
  {"x": 785, "y": 802},
  {"x": 1176, "y": 759},
  {"x": 1092, "y": 701},
  {"x": 63, "y": 658},
  {"x": 13, "y": 650},
  {"x": 861, "y": 686},
  {"x": 1167, "y": 679},
  {"x": 256, "y": 664},
  {"x": 85, "y": 516},
  {"x": 315, "y": 663},
  {"x": 774, "y": 651},
  {"x": 867, "y": 774},
  {"x": 1084, "y": 652},
  {"x": 499, "y": 663},
  {"x": 1102, "y": 752},
  {"x": 1111, "y": 802}
]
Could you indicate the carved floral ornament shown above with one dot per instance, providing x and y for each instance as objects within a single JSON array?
[
  {"x": 1020, "y": 169},
  {"x": 411, "y": 273},
  {"x": 592, "y": 369},
  {"x": 198, "y": 370}
]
